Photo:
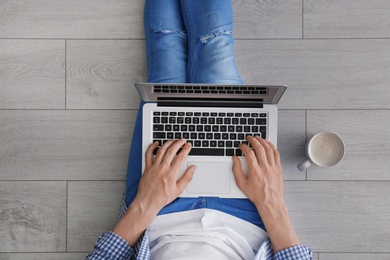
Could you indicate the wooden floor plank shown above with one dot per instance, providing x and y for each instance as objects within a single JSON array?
[
  {"x": 320, "y": 74},
  {"x": 267, "y": 19},
  {"x": 101, "y": 74},
  {"x": 367, "y": 142},
  {"x": 32, "y": 216},
  {"x": 32, "y": 74},
  {"x": 65, "y": 145},
  {"x": 341, "y": 216},
  {"x": 93, "y": 208},
  {"x": 71, "y": 19},
  {"x": 346, "y": 19}
]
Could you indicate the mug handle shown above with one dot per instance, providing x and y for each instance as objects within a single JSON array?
[{"x": 304, "y": 164}]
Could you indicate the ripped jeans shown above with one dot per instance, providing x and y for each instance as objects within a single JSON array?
[{"x": 188, "y": 41}]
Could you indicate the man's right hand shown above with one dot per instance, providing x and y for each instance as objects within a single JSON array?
[{"x": 263, "y": 185}]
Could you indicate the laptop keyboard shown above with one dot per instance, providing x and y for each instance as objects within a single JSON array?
[{"x": 210, "y": 133}]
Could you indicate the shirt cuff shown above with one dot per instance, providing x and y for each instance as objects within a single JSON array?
[
  {"x": 295, "y": 252},
  {"x": 111, "y": 246}
]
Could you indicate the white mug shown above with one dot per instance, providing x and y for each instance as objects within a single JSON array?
[{"x": 324, "y": 149}]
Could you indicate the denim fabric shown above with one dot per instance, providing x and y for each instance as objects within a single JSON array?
[{"x": 188, "y": 41}]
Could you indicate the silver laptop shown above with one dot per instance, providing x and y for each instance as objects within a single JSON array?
[{"x": 215, "y": 119}]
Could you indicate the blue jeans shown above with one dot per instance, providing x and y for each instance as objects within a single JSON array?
[{"x": 188, "y": 41}]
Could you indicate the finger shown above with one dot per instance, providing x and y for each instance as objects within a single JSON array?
[
  {"x": 182, "y": 155},
  {"x": 238, "y": 172},
  {"x": 276, "y": 153},
  {"x": 172, "y": 150},
  {"x": 268, "y": 150},
  {"x": 250, "y": 157},
  {"x": 259, "y": 150},
  {"x": 149, "y": 154},
  {"x": 161, "y": 152},
  {"x": 182, "y": 183}
]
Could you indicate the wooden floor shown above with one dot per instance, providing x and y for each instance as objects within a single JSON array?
[{"x": 68, "y": 106}]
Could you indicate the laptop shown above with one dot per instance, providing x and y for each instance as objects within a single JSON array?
[{"x": 215, "y": 119}]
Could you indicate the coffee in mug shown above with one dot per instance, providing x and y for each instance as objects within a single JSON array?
[{"x": 324, "y": 149}]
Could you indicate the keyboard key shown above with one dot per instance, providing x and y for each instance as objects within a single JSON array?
[
  {"x": 217, "y": 136},
  {"x": 187, "y": 120},
  {"x": 176, "y": 128},
  {"x": 197, "y": 143},
  {"x": 172, "y": 120},
  {"x": 180, "y": 120},
  {"x": 172, "y": 113},
  {"x": 207, "y": 128},
  {"x": 238, "y": 128},
  {"x": 223, "y": 128},
  {"x": 209, "y": 136},
  {"x": 233, "y": 136},
  {"x": 247, "y": 129},
  {"x": 168, "y": 128},
  {"x": 207, "y": 151},
  {"x": 186, "y": 136},
  {"x": 177, "y": 135},
  {"x": 199, "y": 128},
  {"x": 242, "y": 121},
  {"x": 205, "y": 143},
  {"x": 159, "y": 135},
  {"x": 230, "y": 128},
  {"x": 169, "y": 135},
  {"x": 236, "y": 143},
  {"x": 211, "y": 120},
  {"x": 194, "y": 136},
  {"x": 164, "y": 120},
  {"x": 213, "y": 143},
  {"x": 251, "y": 121},
  {"x": 261, "y": 121},
  {"x": 235, "y": 121},
  {"x": 246, "y": 114},
  {"x": 183, "y": 128},
  {"x": 201, "y": 135},
  {"x": 205, "y": 114},
  {"x": 229, "y": 143},
  {"x": 255, "y": 129},
  {"x": 229, "y": 152},
  {"x": 225, "y": 136},
  {"x": 238, "y": 114},
  {"x": 262, "y": 115},
  {"x": 156, "y": 120},
  {"x": 227, "y": 121},
  {"x": 215, "y": 128},
  {"x": 191, "y": 128},
  {"x": 156, "y": 113},
  {"x": 238, "y": 152},
  {"x": 221, "y": 143},
  {"x": 158, "y": 127}
]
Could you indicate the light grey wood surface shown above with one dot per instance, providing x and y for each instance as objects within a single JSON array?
[
  {"x": 68, "y": 106},
  {"x": 71, "y": 19},
  {"x": 65, "y": 145},
  {"x": 267, "y": 19},
  {"x": 291, "y": 142},
  {"x": 32, "y": 216},
  {"x": 32, "y": 74},
  {"x": 320, "y": 74},
  {"x": 346, "y": 19},
  {"x": 42, "y": 256},
  {"x": 349, "y": 256},
  {"x": 101, "y": 74},
  {"x": 367, "y": 141},
  {"x": 341, "y": 216},
  {"x": 93, "y": 208}
]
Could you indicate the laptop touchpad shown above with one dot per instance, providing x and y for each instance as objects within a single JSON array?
[{"x": 210, "y": 178}]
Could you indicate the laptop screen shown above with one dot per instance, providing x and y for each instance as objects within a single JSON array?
[{"x": 170, "y": 92}]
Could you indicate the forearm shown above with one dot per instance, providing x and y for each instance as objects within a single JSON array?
[
  {"x": 134, "y": 222},
  {"x": 279, "y": 226}
]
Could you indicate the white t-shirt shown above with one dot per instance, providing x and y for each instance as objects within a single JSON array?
[{"x": 203, "y": 234}]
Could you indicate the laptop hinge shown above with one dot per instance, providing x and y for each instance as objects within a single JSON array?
[{"x": 202, "y": 102}]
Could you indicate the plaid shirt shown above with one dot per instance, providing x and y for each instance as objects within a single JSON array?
[{"x": 111, "y": 246}]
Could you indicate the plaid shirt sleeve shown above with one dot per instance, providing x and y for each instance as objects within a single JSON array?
[
  {"x": 300, "y": 252},
  {"x": 112, "y": 246}
]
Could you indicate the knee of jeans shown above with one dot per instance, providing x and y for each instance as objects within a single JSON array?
[
  {"x": 208, "y": 37},
  {"x": 169, "y": 31}
]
